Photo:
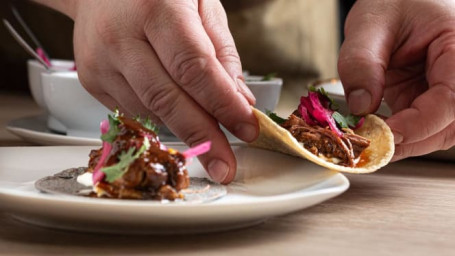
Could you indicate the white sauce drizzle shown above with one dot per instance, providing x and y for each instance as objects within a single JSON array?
[{"x": 85, "y": 179}]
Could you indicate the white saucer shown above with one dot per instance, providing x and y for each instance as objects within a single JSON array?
[
  {"x": 267, "y": 184},
  {"x": 34, "y": 129}
]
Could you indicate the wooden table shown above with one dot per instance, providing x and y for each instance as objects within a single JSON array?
[{"x": 407, "y": 208}]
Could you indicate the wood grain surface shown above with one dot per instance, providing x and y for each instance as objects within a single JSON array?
[{"x": 407, "y": 208}]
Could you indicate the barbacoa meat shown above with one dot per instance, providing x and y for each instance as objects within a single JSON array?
[
  {"x": 157, "y": 174},
  {"x": 321, "y": 140}
]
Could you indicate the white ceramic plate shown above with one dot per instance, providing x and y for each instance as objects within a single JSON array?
[
  {"x": 34, "y": 129},
  {"x": 267, "y": 184}
]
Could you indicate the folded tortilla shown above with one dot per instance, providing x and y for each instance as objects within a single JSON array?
[{"x": 376, "y": 155}]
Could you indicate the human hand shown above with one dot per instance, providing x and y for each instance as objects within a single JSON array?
[
  {"x": 403, "y": 51},
  {"x": 175, "y": 61}
]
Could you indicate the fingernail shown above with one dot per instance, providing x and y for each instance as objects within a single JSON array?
[
  {"x": 359, "y": 101},
  {"x": 218, "y": 170},
  {"x": 246, "y": 132},
  {"x": 246, "y": 91},
  {"x": 397, "y": 137}
]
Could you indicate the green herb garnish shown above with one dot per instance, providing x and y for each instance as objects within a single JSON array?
[
  {"x": 353, "y": 120},
  {"x": 340, "y": 120},
  {"x": 110, "y": 135},
  {"x": 117, "y": 170},
  {"x": 274, "y": 117},
  {"x": 147, "y": 123},
  {"x": 346, "y": 121},
  {"x": 268, "y": 77}
]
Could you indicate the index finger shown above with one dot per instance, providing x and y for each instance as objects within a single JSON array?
[
  {"x": 176, "y": 33},
  {"x": 184, "y": 117}
]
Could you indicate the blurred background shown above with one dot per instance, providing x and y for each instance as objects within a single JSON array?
[{"x": 298, "y": 40}]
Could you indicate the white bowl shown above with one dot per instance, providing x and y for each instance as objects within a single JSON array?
[
  {"x": 267, "y": 93},
  {"x": 334, "y": 89},
  {"x": 72, "y": 105},
  {"x": 35, "y": 69}
]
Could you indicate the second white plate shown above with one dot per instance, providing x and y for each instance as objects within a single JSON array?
[{"x": 34, "y": 129}]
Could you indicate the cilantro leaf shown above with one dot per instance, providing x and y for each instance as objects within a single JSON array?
[
  {"x": 268, "y": 77},
  {"x": 346, "y": 121},
  {"x": 274, "y": 117},
  {"x": 147, "y": 123},
  {"x": 117, "y": 170},
  {"x": 110, "y": 135},
  {"x": 340, "y": 119},
  {"x": 353, "y": 120}
]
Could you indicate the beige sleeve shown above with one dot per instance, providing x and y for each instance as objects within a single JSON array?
[
  {"x": 298, "y": 39},
  {"x": 291, "y": 37}
]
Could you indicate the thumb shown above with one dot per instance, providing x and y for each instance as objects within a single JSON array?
[{"x": 365, "y": 53}]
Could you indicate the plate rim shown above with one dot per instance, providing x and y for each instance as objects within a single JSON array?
[
  {"x": 68, "y": 199},
  {"x": 20, "y": 200},
  {"x": 49, "y": 138}
]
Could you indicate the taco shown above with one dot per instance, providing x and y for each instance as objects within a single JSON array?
[
  {"x": 317, "y": 132},
  {"x": 134, "y": 164}
]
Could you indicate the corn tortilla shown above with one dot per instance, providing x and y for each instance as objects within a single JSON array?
[{"x": 379, "y": 153}]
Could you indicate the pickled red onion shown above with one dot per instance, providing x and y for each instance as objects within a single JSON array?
[
  {"x": 97, "y": 174},
  {"x": 359, "y": 123},
  {"x": 197, "y": 150},
  {"x": 313, "y": 112},
  {"x": 304, "y": 109}
]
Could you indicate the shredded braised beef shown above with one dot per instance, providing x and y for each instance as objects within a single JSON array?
[
  {"x": 157, "y": 174},
  {"x": 321, "y": 140}
]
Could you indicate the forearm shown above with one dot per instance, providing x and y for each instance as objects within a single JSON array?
[{"x": 67, "y": 7}]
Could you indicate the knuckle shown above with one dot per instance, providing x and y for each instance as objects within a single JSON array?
[
  {"x": 362, "y": 56},
  {"x": 447, "y": 43},
  {"x": 88, "y": 61},
  {"x": 161, "y": 100},
  {"x": 221, "y": 108},
  {"x": 228, "y": 53},
  {"x": 196, "y": 135},
  {"x": 105, "y": 30},
  {"x": 190, "y": 68},
  {"x": 87, "y": 81}
]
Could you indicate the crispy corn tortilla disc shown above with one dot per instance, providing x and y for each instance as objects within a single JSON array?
[
  {"x": 201, "y": 190},
  {"x": 380, "y": 152}
]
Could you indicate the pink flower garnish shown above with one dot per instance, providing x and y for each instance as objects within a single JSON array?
[
  {"x": 41, "y": 54},
  {"x": 104, "y": 126},
  {"x": 197, "y": 150}
]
